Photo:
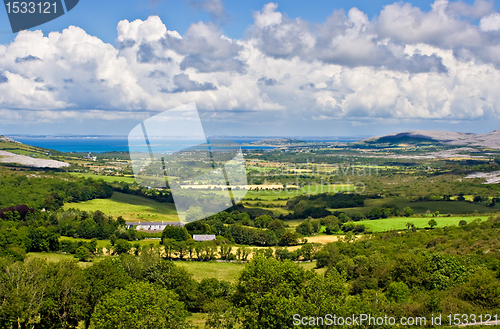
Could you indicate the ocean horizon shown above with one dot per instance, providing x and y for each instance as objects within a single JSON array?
[{"x": 100, "y": 144}]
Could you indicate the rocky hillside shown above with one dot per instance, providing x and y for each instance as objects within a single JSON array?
[{"x": 488, "y": 140}]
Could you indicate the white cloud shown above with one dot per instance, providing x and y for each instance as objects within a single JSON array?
[
  {"x": 490, "y": 22},
  {"x": 405, "y": 64}
]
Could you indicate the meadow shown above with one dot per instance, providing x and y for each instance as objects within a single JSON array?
[
  {"x": 130, "y": 207},
  {"x": 273, "y": 195},
  {"x": 422, "y": 207},
  {"x": 399, "y": 223},
  {"x": 108, "y": 179}
]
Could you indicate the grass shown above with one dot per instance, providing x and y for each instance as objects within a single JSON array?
[
  {"x": 130, "y": 207},
  {"x": 399, "y": 223},
  {"x": 24, "y": 149},
  {"x": 228, "y": 271},
  {"x": 222, "y": 271},
  {"x": 108, "y": 179},
  {"x": 100, "y": 243},
  {"x": 198, "y": 320},
  {"x": 421, "y": 207},
  {"x": 312, "y": 266},
  {"x": 56, "y": 257},
  {"x": 270, "y": 195}
]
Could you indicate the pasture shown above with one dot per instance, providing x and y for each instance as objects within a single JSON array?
[
  {"x": 130, "y": 207},
  {"x": 421, "y": 207},
  {"x": 272, "y": 195},
  {"x": 399, "y": 223},
  {"x": 108, "y": 179},
  {"x": 226, "y": 271}
]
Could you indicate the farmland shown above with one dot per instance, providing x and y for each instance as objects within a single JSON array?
[
  {"x": 105, "y": 178},
  {"x": 400, "y": 223},
  {"x": 130, "y": 207}
]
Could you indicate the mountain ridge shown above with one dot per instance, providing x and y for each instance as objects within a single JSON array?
[{"x": 488, "y": 140}]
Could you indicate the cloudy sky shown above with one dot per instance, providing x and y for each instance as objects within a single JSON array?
[{"x": 297, "y": 68}]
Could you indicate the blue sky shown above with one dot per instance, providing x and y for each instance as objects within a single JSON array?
[
  {"x": 324, "y": 68},
  {"x": 100, "y": 18}
]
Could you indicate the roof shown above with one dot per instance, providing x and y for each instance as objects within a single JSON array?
[
  {"x": 203, "y": 237},
  {"x": 155, "y": 223}
]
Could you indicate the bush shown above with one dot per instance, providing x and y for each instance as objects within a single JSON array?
[
  {"x": 122, "y": 246},
  {"x": 398, "y": 292},
  {"x": 82, "y": 254}
]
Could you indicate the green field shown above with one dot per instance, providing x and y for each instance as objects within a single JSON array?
[
  {"x": 130, "y": 207},
  {"x": 108, "y": 179},
  {"x": 226, "y": 271},
  {"x": 222, "y": 271},
  {"x": 421, "y": 207},
  {"x": 270, "y": 195},
  {"x": 56, "y": 257},
  {"x": 24, "y": 149},
  {"x": 399, "y": 223}
]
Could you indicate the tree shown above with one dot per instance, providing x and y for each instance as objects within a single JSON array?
[
  {"x": 398, "y": 292},
  {"x": 289, "y": 239},
  {"x": 42, "y": 239},
  {"x": 305, "y": 228},
  {"x": 263, "y": 221},
  {"x": 112, "y": 239},
  {"x": 432, "y": 223},
  {"x": 225, "y": 252},
  {"x": 102, "y": 278},
  {"x": 122, "y": 246},
  {"x": 65, "y": 301},
  {"x": 140, "y": 306},
  {"x": 277, "y": 226},
  {"x": 269, "y": 292},
  {"x": 181, "y": 248},
  {"x": 242, "y": 253},
  {"x": 166, "y": 275},
  {"x": 407, "y": 212},
  {"x": 178, "y": 233},
  {"x": 22, "y": 291},
  {"x": 82, "y": 254},
  {"x": 409, "y": 225}
]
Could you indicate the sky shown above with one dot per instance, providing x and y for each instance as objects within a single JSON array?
[{"x": 256, "y": 68}]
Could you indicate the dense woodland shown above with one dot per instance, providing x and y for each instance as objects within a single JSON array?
[{"x": 450, "y": 270}]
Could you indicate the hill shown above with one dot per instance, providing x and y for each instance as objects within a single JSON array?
[
  {"x": 12, "y": 151},
  {"x": 488, "y": 140}
]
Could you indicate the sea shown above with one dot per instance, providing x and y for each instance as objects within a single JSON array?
[{"x": 100, "y": 144}]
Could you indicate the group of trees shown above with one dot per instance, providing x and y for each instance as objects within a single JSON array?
[
  {"x": 48, "y": 190},
  {"x": 41, "y": 231},
  {"x": 240, "y": 228},
  {"x": 125, "y": 292},
  {"x": 446, "y": 270},
  {"x": 178, "y": 242},
  {"x": 314, "y": 206},
  {"x": 159, "y": 195},
  {"x": 410, "y": 273}
]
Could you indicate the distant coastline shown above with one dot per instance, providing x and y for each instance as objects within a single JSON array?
[{"x": 105, "y": 143}]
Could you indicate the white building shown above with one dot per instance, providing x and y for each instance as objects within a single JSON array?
[
  {"x": 152, "y": 226},
  {"x": 203, "y": 237}
]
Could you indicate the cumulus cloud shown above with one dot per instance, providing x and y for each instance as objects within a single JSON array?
[
  {"x": 184, "y": 84},
  {"x": 404, "y": 64},
  {"x": 490, "y": 22}
]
